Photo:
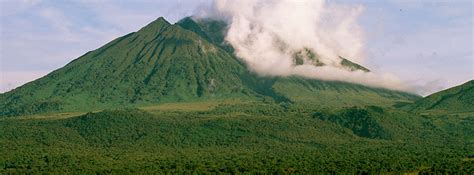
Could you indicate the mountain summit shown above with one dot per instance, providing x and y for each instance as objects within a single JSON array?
[{"x": 163, "y": 62}]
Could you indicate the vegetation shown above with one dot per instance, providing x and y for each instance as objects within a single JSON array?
[{"x": 232, "y": 138}]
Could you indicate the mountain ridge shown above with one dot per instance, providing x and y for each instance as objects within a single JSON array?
[{"x": 455, "y": 99}]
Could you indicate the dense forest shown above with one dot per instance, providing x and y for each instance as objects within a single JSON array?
[{"x": 240, "y": 137}]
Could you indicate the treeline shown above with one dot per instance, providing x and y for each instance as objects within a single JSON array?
[{"x": 358, "y": 160}]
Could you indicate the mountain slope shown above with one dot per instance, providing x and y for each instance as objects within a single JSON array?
[
  {"x": 456, "y": 99},
  {"x": 170, "y": 63},
  {"x": 161, "y": 62}
]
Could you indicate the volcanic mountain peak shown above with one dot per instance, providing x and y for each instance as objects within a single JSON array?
[{"x": 171, "y": 63}]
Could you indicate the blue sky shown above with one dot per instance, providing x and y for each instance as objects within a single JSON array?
[{"x": 427, "y": 43}]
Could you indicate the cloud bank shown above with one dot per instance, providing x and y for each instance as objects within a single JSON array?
[{"x": 266, "y": 34}]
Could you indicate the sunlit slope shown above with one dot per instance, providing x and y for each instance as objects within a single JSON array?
[{"x": 456, "y": 99}]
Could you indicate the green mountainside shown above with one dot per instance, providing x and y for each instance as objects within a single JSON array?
[
  {"x": 456, "y": 99},
  {"x": 163, "y": 63}
]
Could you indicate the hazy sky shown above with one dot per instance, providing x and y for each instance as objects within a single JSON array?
[{"x": 427, "y": 43}]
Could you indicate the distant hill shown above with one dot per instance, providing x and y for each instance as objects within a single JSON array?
[
  {"x": 188, "y": 61},
  {"x": 456, "y": 99}
]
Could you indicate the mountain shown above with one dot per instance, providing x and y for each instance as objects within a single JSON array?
[
  {"x": 187, "y": 61},
  {"x": 455, "y": 99}
]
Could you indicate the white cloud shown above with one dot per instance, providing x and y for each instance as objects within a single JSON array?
[{"x": 267, "y": 33}]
